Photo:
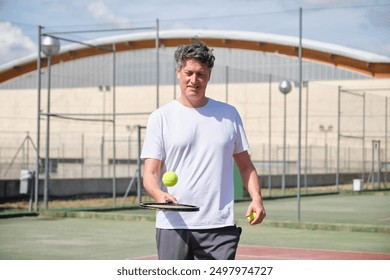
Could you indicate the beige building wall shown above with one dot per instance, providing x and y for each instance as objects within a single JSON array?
[{"x": 75, "y": 139}]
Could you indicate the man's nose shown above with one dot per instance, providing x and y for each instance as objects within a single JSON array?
[{"x": 193, "y": 78}]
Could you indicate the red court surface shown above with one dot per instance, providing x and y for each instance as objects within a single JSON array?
[{"x": 247, "y": 252}]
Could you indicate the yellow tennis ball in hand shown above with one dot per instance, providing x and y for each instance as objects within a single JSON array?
[
  {"x": 251, "y": 217},
  {"x": 169, "y": 179}
]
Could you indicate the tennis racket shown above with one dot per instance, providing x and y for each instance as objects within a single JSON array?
[{"x": 169, "y": 206}]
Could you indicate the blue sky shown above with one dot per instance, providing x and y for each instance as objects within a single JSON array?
[{"x": 360, "y": 24}]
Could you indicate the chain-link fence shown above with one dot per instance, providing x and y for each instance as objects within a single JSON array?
[
  {"x": 363, "y": 133},
  {"x": 344, "y": 112}
]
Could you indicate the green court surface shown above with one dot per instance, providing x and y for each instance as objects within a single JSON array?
[{"x": 353, "y": 222}]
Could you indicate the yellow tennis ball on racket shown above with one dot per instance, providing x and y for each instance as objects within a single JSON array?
[
  {"x": 169, "y": 179},
  {"x": 251, "y": 217}
]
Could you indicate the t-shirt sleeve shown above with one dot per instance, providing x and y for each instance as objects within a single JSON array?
[
  {"x": 153, "y": 142},
  {"x": 241, "y": 144}
]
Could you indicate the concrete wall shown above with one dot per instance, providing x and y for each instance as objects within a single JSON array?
[
  {"x": 84, "y": 139},
  {"x": 68, "y": 188}
]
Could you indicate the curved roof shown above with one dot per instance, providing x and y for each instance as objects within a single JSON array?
[{"x": 356, "y": 60}]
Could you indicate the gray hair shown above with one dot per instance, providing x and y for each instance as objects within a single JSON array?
[{"x": 197, "y": 50}]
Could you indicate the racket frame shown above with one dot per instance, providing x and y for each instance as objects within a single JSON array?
[{"x": 169, "y": 206}]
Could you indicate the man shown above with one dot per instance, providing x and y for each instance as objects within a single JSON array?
[{"x": 199, "y": 138}]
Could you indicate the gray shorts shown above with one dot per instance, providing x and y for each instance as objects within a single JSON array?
[{"x": 205, "y": 244}]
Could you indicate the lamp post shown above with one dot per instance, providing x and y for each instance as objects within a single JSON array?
[
  {"x": 285, "y": 87},
  {"x": 104, "y": 89},
  {"x": 326, "y": 130},
  {"x": 50, "y": 46}
]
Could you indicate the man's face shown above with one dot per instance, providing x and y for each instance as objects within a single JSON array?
[{"x": 193, "y": 77}]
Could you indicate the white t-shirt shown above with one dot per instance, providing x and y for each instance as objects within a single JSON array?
[{"x": 198, "y": 144}]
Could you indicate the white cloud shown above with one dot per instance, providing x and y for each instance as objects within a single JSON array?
[
  {"x": 100, "y": 11},
  {"x": 14, "y": 43}
]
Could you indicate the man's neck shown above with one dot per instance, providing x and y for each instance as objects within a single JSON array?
[{"x": 193, "y": 104}]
